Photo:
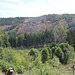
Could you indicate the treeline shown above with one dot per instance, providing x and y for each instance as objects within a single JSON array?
[
  {"x": 69, "y": 18},
  {"x": 40, "y": 39},
  {"x": 11, "y": 21},
  {"x": 27, "y": 39}
]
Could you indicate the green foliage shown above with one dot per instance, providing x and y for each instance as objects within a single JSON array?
[
  {"x": 53, "y": 28},
  {"x": 59, "y": 53},
  {"x": 64, "y": 52},
  {"x": 1, "y": 49},
  {"x": 13, "y": 59},
  {"x": 1, "y": 52},
  {"x": 53, "y": 49},
  {"x": 1, "y": 35},
  {"x": 52, "y": 17},
  {"x": 20, "y": 69},
  {"x": 71, "y": 24},
  {"x": 6, "y": 40},
  {"x": 35, "y": 61},
  {"x": 71, "y": 37},
  {"x": 0, "y": 72},
  {"x": 45, "y": 55},
  {"x": 53, "y": 44},
  {"x": 11, "y": 21},
  {"x": 22, "y": 62},
  {"x": 55, "y": 61},
  {"x": 68, "y": 17},
  {"x": 68, "y": 52},
  {"x": 61, "y": 32},
  {"x": 34, "y": 52},
  {"x": 29, "y": 61},
  {"x": 4, "y": 65},
  {"x": 50, "y": 53}
]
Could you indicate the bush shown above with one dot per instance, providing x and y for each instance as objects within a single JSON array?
[
  {"x": 55, "y": 61},
  {"x": 1, "y": 52},
  {"x": 20, "y": 69},
  {"x": 59, "y": 53},
  {"x": 53, "y": 50},
  {"x": 1, "y": 49},
  {"x": 53, "y": 44},
  {"x": 33, "y": 52},
  {"x": 45, "y": 55},
  {"x": 68, "y": 51},
  {"x": 50, "y": 53},
  {"x": 4, "y": 65}
]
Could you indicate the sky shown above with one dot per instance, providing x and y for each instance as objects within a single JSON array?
[{"x": 34, "y": 8}]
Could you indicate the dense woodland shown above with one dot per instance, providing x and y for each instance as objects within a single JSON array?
[
  {"x": 37, "y": 43},
  {"x": 62, "y": 29}
]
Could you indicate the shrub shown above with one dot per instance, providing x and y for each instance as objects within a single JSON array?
[
  {"x": 45, "y": 55},
  {"x": 4, "y": 65},
  {"x": 55, "y": 61},
  {"x": 50, "y": 52},
  {"x": 1, "y": 52},
  {"x": 20, "y": 69},
  {"x": 1, "y": 49},
  {"x": 53, "y": 50},
  {"x": 53, "y": 44},
  {"x": 33, "y": 52},
  {"x": 59, "y": 53},
  {"x": 68, "y": 51}
]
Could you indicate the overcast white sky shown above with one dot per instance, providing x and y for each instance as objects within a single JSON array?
[{"x": 34, "y": 8}]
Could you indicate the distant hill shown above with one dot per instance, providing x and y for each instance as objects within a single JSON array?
[{"x": 35, "y": 24}]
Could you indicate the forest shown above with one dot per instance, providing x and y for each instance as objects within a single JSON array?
[{"x": 46, "y": 50}]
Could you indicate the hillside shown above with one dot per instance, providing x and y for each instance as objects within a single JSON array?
[
  {"x": 35, "y": 24},
  {"x": 42, "y": 45}
]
